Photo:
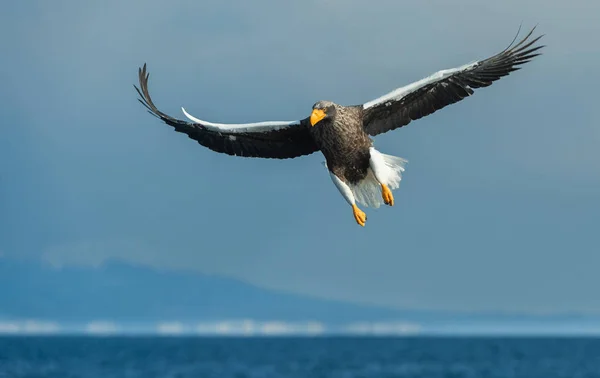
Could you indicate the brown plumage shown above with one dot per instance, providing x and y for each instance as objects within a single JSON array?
[
  {"x": 342, "y": 133},
  {"x": 343, "y": 141}
]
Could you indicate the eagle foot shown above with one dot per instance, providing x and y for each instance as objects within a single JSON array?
[
  {"x": 386, "y": 193},
  {"x": 359, "y": 215}
]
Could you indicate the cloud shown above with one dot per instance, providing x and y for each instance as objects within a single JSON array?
[
  {"x": 170, "y": 328},
  {"x": 383, "y": 328},
  {"x": 29, "y": 327},
  {"x": 9, "y": 327},
  {"x": 284, "y": 328},
  {"x": 254, "y": 328},
  {"x": 251, "y": 328},
  {"x": 101, "y": 328},
  {"x": 242, "y": 327}
]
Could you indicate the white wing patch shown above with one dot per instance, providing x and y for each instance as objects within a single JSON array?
[
  {"x": 242, "y": 127},
  {"x": 407, "y": 89}
]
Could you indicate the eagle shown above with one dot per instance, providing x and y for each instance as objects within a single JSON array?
[{"x": 361, "y": 173}]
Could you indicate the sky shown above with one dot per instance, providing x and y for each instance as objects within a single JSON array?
[{"x": 498, "y": 209}]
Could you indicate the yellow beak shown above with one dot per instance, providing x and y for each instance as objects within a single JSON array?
[{"x": 316, "y": 116}]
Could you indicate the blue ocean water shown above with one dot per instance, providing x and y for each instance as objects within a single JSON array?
[{"x": 342, "y": 357}]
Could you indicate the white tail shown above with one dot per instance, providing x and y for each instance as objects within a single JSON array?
[{"x": 386, "y": 169}]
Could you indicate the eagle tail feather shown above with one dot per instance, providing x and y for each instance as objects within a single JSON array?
[{"x": 385, "y": 169}]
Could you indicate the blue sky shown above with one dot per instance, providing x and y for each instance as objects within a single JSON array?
[{"x": 498, "y": 210}]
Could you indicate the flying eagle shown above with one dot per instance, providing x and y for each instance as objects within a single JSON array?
[{"x": 361, "y": 173}]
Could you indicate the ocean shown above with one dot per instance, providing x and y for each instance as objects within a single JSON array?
[{"x": 331, "y": 357}]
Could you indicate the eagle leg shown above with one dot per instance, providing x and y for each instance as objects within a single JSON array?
[
  {"x": 346, "y": 192},
  {"x": 387, "y": 195},
  {"x": 359, "y": 215},
  {"x": 388, "y": 172}
]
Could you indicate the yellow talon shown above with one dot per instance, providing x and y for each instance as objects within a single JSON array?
[
  {"x": 359, "y": 215},
  {"x": 386, "y": 193}
]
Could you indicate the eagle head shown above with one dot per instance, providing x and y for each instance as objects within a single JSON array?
[{"x": 322, "y": 110}]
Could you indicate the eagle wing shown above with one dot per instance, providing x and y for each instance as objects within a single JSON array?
[
  {"x": 422, "y": 98},
  {"x": 271, "y": 139}
]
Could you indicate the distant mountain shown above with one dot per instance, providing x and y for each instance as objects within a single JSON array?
[
  {"x": 135, "y": 295},
  {"x": 123, "y": 292}
]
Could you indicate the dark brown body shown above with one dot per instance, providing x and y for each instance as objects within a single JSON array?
[{"x": 344, "y": 143}]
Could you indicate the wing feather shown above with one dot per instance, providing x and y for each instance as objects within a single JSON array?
[
  {"x": 272, "y": 139},
  {"x": 424, "y": 97}
]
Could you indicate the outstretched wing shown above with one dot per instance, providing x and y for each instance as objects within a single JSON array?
[
  {"x": 422, "y": 98},
  {"x": 273, "y": 139}
]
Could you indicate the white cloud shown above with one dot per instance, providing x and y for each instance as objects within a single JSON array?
[
  {"x": 29, "y": 327},
  {"x": 284, "y": 328},
  {"x": 101, "y": 328},
  {"x": 276, "y": 328},
  {"x": 243, "y": 327},
  {"x": 170, "y": 328},
  {"x": 9, "y": 328},
  {"x": 383, "y": 328},
  {"x": 252, "y": 328},
  {"x": 40, "y": 327}
]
